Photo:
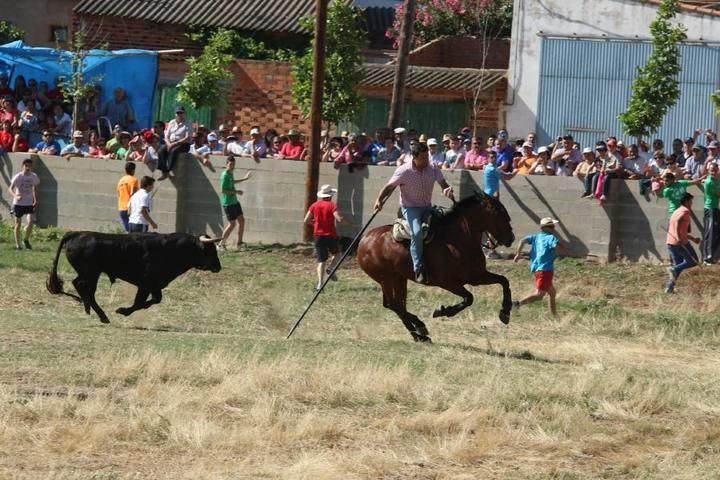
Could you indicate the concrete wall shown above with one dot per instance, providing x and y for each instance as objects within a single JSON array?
[
  {"x": 79, "y": 193},
  {"x": 607, "y": 18}
]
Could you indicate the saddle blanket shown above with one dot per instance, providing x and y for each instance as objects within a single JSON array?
[{"x": 401, "y": 228}]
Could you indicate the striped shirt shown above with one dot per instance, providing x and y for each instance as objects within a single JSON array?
[{"x": 416, "y": 186}]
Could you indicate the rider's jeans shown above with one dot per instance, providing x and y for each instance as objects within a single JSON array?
[{"x": 414, "y": 215}]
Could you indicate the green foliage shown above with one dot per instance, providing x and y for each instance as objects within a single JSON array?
[
  {"x": 453, "y": 18},
  {"x": 204, "y": 83},
  {"x": 343, "y": 59},
  {"x": 75, "y": 86},
  {"x": 9, "y": 32},
  {"x": 656, "y": 88}
]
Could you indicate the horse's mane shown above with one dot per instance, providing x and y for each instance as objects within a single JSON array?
[{"x": 459, "y": 208}]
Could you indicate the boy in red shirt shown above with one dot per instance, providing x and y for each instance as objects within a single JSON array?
[{"x": 322, "y": 215}]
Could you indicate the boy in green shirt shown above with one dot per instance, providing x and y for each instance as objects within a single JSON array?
[
  {"x": 711, "y": 214},
  {"x": 230, "y": 203},
  {"x": 675, "y": 189}
]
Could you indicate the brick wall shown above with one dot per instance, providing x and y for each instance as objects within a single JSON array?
[
  {"x": 122, "y": 32},
  {"x": 260, "y": 95},
  {"x": 462, "y": 52}
]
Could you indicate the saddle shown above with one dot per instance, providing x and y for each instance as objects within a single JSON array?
[{"x": 401, "y": 228}]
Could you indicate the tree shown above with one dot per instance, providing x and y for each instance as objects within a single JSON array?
[
  {"x": 204, "y": 83},
  {"x": 343, "y": 60},
  {"x": 74, "y": 86},
  {"x": 9, "y": 32},
  {"x": 656, "y": 88},
  {"x": 455, "y": 18}
]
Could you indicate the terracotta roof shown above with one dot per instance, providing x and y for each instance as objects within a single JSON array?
[
  {"x": 256, "y": 15},
  {"x": 426, "y": 78},
  {"x": 702, "y": 7}
]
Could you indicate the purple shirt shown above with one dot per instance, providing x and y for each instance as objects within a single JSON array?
[{"x": 416, "y": 186}]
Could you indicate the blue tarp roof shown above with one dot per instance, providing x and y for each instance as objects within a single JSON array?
[{"x": 134, "y": 70}]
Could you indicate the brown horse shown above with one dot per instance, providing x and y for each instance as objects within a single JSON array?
[{"x": 453, "y": 259}]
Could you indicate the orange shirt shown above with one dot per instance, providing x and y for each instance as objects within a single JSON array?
[
  {"x": 524, "y": 164},
  {"x": 125, "y": 188}
]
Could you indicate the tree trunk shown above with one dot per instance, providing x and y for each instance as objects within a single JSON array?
[{"x": 401, "y": 64}]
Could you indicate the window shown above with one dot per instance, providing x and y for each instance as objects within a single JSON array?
[{"x": 58, "y": 33}]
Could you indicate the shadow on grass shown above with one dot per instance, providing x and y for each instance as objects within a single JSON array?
[{"x": 524, "y": 355}]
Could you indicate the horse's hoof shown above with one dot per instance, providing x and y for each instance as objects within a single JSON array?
[
  {"x": 440, "y": 312},
  {"x": 505, "y": 317},
  {"x": 424, "y": 339},
  {"x": 123, "y": 311},
  {"x": 104, "y": 320}
]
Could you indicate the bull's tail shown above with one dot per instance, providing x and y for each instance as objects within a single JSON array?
[{"x": 54, "y": 282}]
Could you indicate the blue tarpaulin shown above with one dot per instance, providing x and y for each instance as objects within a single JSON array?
[{"x": 134, "y": 70}]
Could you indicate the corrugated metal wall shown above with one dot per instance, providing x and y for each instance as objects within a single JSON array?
[{"x": 585, "y": 84}]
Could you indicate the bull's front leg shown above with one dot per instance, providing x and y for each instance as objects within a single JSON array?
[{"x": 139, "y": 303}]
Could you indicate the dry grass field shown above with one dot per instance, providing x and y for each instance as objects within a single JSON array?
[{"x": 622, "y": 384}]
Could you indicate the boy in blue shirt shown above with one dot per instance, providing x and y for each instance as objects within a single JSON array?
[
  {"x": 491, "y": 186},
  {"x": 543, "y": 246}
]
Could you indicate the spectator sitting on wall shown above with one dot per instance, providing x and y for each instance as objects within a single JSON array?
[
  {"x": 77, "y": 148},
  {"x": 543, "y": 165},
  {"x": 177, "y": 141},
  {"x": 335, "y": 148},
  {"x": 255, "y": 147},
  {"x": 136, "y": 151},
  {"x": 526, "y": 160},
  {"x": 694, "y": 165},
  {"x": 114, "y": 143},
  {"x": 233, "y": 142},
  {"x": 100, "y": 150},
  {"x": 151, "y": 148},
  {"x": 504, "y": 152},
  {"x": 352, "y": 154},
  {"x": 437, "y": 156},
  {"x": 48, "y": 145},
  {"x": 20, "y": 144},
  {"x": 633, "y": 166},
  {"x": 294, "y": 148},
  {"x": 613, "y": 149},
  {"x": 6, "y": 137},
  {"x": 62, "y": 121},
  {"x": 565, "y": 156},
  {"x": 585, "y": 171},
  {"x": 454, "y": 155},
  {"x": 122, "y": 152},
  {"x": 118, "y": 109},
  {"x": 476, "y": 157}
]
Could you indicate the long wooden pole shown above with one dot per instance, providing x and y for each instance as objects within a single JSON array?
[
  {"x": 401, "y": 64},
  {"x": 313, "y": 160}
]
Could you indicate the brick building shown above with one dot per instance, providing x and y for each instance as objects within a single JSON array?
[{"x": 442, "y": 82}]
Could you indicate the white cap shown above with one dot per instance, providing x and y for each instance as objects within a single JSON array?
[
  {"x": 254, "y": 131},
  {"x": 399, "y": 130},
  {"x": 548, "y": 222},
  {"x": 527, "y": 144},
  {"x": 587, "y": 150},
  {"x": 326, "y": 191},
  {"x": 77, "y": 134},
  {"x": 542, "y": 150},
  {"x": 432, "y": 141}
]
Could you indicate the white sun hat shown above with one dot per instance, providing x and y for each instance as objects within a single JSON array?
[{"x": 326, "y": 191}]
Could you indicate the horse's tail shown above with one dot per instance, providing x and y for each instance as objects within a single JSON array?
[{"x": 54, "y": 283}]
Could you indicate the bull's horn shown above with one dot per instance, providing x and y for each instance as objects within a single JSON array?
[{"x": 206, "y": 239}]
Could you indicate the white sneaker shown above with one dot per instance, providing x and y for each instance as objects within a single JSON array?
[{"x": 603, "y": 198}]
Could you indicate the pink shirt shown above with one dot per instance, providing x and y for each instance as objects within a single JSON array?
[
  {"x": 416, "y": 186},
  {"x": 476, "y": 160},
  {"x": 678, "y": 227}
]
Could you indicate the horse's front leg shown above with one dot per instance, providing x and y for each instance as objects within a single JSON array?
[
  {"x": 452, "y": 310},
  {"x": 489, "y": 278}
]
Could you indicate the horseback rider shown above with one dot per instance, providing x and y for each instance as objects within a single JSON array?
[{"x": 416, "y": 180}]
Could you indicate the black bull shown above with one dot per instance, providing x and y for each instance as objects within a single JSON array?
[{"x": 149, "y": 261}]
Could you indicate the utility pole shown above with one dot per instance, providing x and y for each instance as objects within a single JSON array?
[
  {"x": 401, "y": 64},
  {"x": 312, "y": 173}
]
